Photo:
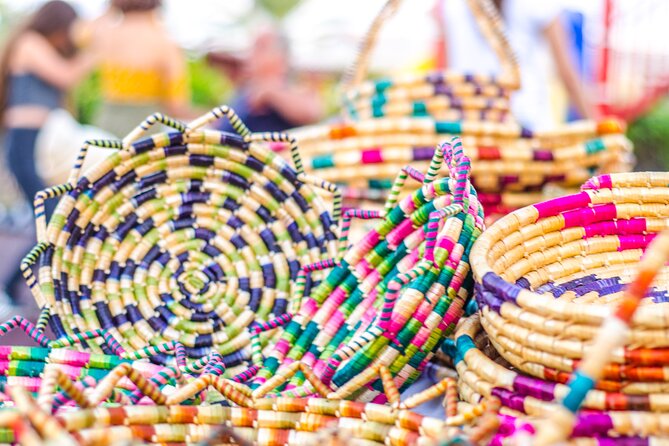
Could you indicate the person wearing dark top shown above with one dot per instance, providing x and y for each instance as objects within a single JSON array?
[
  {"x": 267, "y": 100},
  {"x": 37, "y": 67}
]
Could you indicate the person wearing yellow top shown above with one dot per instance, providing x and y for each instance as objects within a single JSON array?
[{"x": 141, "y": 69}]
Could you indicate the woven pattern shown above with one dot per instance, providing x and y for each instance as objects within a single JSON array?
[
  {"x": 393, "y": 296},
  {"x": 444, "y": 95},
  {"x": 398, "y": 121},
  {"x": 511, "y": 165},
  {"x": 547, "y": 277},
  {"x": 188, "y": 237},
  {"x": 264, "y": 421}
]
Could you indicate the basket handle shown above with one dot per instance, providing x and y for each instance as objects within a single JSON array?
[
  {"x": 610, "y": 336},
  {"x": 488, "y": 20}
]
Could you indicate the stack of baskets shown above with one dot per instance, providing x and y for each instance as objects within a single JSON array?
[
  {"x": 399, "y": 121},
  {"x": 547, "y": 277},
  {"x": 193, "y": 249}
]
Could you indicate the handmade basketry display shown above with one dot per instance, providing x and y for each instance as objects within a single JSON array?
[
  {"x": 511, "y": 164},
  {"x": 392, "y": 298},
  {"x": 548, "y": 276},
  {"x": 263, "y": 421},
  {"x": 189, "y": 237}
]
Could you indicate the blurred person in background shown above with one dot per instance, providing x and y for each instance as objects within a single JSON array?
[
  {"x": 532, "y": 28},
  {"x": 268, "y": 100},
  {"x": 141, "y": 69},
  {"x": 38, "y": 66}
]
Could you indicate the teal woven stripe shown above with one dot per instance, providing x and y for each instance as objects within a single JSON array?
[
  {"x": 453, "y": 128},
  {"x": 594, "y": 146},
  {"x": 322, "y": 162}
]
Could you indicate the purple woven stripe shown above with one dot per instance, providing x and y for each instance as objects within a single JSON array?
[
  {"x": 509, "y": 399},
  {"x": 423, "y": 153},
  {"x": 543, "y": 390},
  {"x": 542, "y": 155}
]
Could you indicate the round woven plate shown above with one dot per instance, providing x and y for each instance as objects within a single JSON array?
[{"x": 190, "y": 236}]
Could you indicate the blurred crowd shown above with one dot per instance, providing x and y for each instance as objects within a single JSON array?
[{"x": 142, "y": 70}]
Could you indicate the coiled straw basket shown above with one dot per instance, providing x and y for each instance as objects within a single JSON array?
[
  {"x": 187, "y": 237},
  {"x": 548, "y": 276},
  {"x": 399, "y": 121},
  {"x": 391, "y": 298}
]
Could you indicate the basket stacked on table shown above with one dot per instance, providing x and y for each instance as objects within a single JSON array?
[
  {"x": 547, "y": 276},
  {"x": 511, "y": 165},
  {"x": 394, "y": 296},
  {"x": 188, "y": 237}
]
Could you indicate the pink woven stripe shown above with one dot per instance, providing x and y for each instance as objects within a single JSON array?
[
  {"x": 631, "y": 226},
  {"x": 309, "y": 307},
  {"x": 334, "y": 322},
  {"x": 605, "y": 182},
  {"x": 553, "y": 207},
  {"x": 5, "y": 350},
  {"x": 398, "y": 234},
  {"x": 588, "y": 215},
  {"x": 634, "y": 241},
  {"x": 371, "y": 156},
  {"x": 282, "y": 346}
]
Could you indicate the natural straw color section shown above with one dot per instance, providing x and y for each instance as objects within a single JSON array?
[
  {"x": 189, "y": 237},
  {"x": 549, "y": 275},
  {"x": 609, "y": 337},
  {"x": 394, "y": 296}
]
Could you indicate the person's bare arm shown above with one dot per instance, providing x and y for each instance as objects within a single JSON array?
[
  {"x": 36, "y": 55},
  {"x": 557, "y": 39},
  {"x": 300, "y": 106}
]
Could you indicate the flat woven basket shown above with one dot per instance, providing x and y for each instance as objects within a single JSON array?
[
  {"x": 548, "y": 275},
  {"x": 239, "y": 419},
  {"x": 188, "y": 237},
  {"x": 511, "y": 165},
  {"x": 392, "y": 297}
]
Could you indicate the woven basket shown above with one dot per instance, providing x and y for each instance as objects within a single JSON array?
[
  {"x": 547, "y": 277},
  {"x": 264, "y": 421},
  {"x": 444, "y": 95},
  {"x": 511, "y": 165},
  {"x": 187, "y": 237},
  {"x": 392, "y": 298}
]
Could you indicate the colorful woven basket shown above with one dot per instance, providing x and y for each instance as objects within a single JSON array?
[
  {"x": 511, "y": 165},
  {"x": 263, "y": 422},
  {"x": 444, "y": 95},
  {"x": 189, "y": 237},
  {"x": 547, "y": 277},
  {"x": 393, "y": 297}
]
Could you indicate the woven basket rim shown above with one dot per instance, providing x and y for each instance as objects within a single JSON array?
[{"x": 545, "y": 304}]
